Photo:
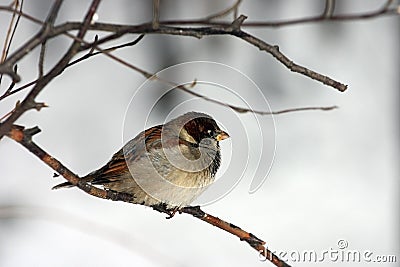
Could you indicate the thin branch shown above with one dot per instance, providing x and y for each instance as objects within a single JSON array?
[
  {"x": 10, "y": 112},
  {"x": 55, "y": 9},
  {"x": 255, "y": 242},
  {"x": 48, "y": 25},
  {"x": 9, "y": 91},
  {"x": 191, "y": 92},
  {"x": 91, "y": 53},
  {"x": 9, "y": 38},
  {"x": 29, "y": 101},
  {"x": 221, "y": 28},
  {"x": 7, "y": 65},
  {"x": 387, "y": 4},
  {"x": 152, "y": 76},
  {"x": 274, "y": 51},
  {"x": 156, "y": 14},
  {"x": 24, "y": 137},
  {"x": 240, "y": 109},
  {"x": 41, "y": 59},
  {"x": 232, "y": 29},
  {"x": 329, "y": 8},
  {"x": 235, "y": 31},
  {"x": 384, "y": 10},
  {"x": 88, "y": 55},
  {"x": 22, "y": 14},
  {"x": 225, "y": 12},
  {"x": 259, "y": 112}
]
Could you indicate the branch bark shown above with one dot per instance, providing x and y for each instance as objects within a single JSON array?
[{"x": 29, "y": 101}]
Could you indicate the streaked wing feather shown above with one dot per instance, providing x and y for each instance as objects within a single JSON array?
[{"x": 132, "y": 151}]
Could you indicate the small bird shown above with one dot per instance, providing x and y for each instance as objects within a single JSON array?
[{"x": 166, "y": 166}]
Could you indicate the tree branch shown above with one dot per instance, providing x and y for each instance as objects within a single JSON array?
[
  {"x": 24, "y": 137},
  {"x": 29, "y": 101},
  {"x": 6, "y": 67},
  {"x": 384, "y": 10},
  {"x": 225, "y": 12},
  {"x": 86, "y": 56},
  {"x": 217, "y": 28},
  {"x": 156, "y": 14},
  {"x": 233, "y": 29},
  {"x": 252, "y": 240},
  {"x": 121, "y": 30},
  {"x": 329, "y": 8}
]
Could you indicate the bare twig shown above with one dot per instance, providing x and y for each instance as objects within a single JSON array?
[
  {"x": 188, "y": 89},
  {"x": 225, "y": 12},
  {"x": 24, "y": 137},
  {"x": 387, "y": 4},
  {"x": 91, "y": 53},
  {"x": 9, "y": 91},
  {"x": 242, "y": 109},
  {"x": 232, "y": 29},
  {"x": 260, "y": 112},
  {"x": 243, "y": 235},
  {"x": 329, "y": 8},
  {"x": 274, "y": 51},
  {"x": 29, "y": 101},
  {"x": 9, "y": 113},
  {"x": 7, "y": 66},
  {"x": 88, "y": 55},
  {"x": 384, "y": 10},
  {"x": 8, "y": 38},
  {"x": 41, "y": 58},
  {"x": 48, "y": 25},
  {"x": 10, "y": 35},
  {"x": 120, "y": 30},
  {"x": 235, "y": 31},
  {"x": 156, "y": 14}
]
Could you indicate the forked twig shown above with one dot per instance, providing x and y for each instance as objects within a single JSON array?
[
  {"x": 86, "y": 56},
  {"x": 225, "y": 12}
]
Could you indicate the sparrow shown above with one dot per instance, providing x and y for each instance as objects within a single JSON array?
[{"x": 167, "y": 166}]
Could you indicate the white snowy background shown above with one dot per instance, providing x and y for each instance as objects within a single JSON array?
[{"x": 335, "y": 175}]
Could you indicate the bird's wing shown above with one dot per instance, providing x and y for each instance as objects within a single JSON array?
[{"x": 132, "y": 152}]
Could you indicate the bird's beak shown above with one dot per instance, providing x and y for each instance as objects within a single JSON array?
[{"x": 221, "y": 136}]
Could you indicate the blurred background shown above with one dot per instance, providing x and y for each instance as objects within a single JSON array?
[{"x": 334, "y": 176}]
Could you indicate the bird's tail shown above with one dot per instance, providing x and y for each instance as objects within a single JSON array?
[
  {"x": 63, "y": 185},
  {"x": 87, "y": 178}
]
